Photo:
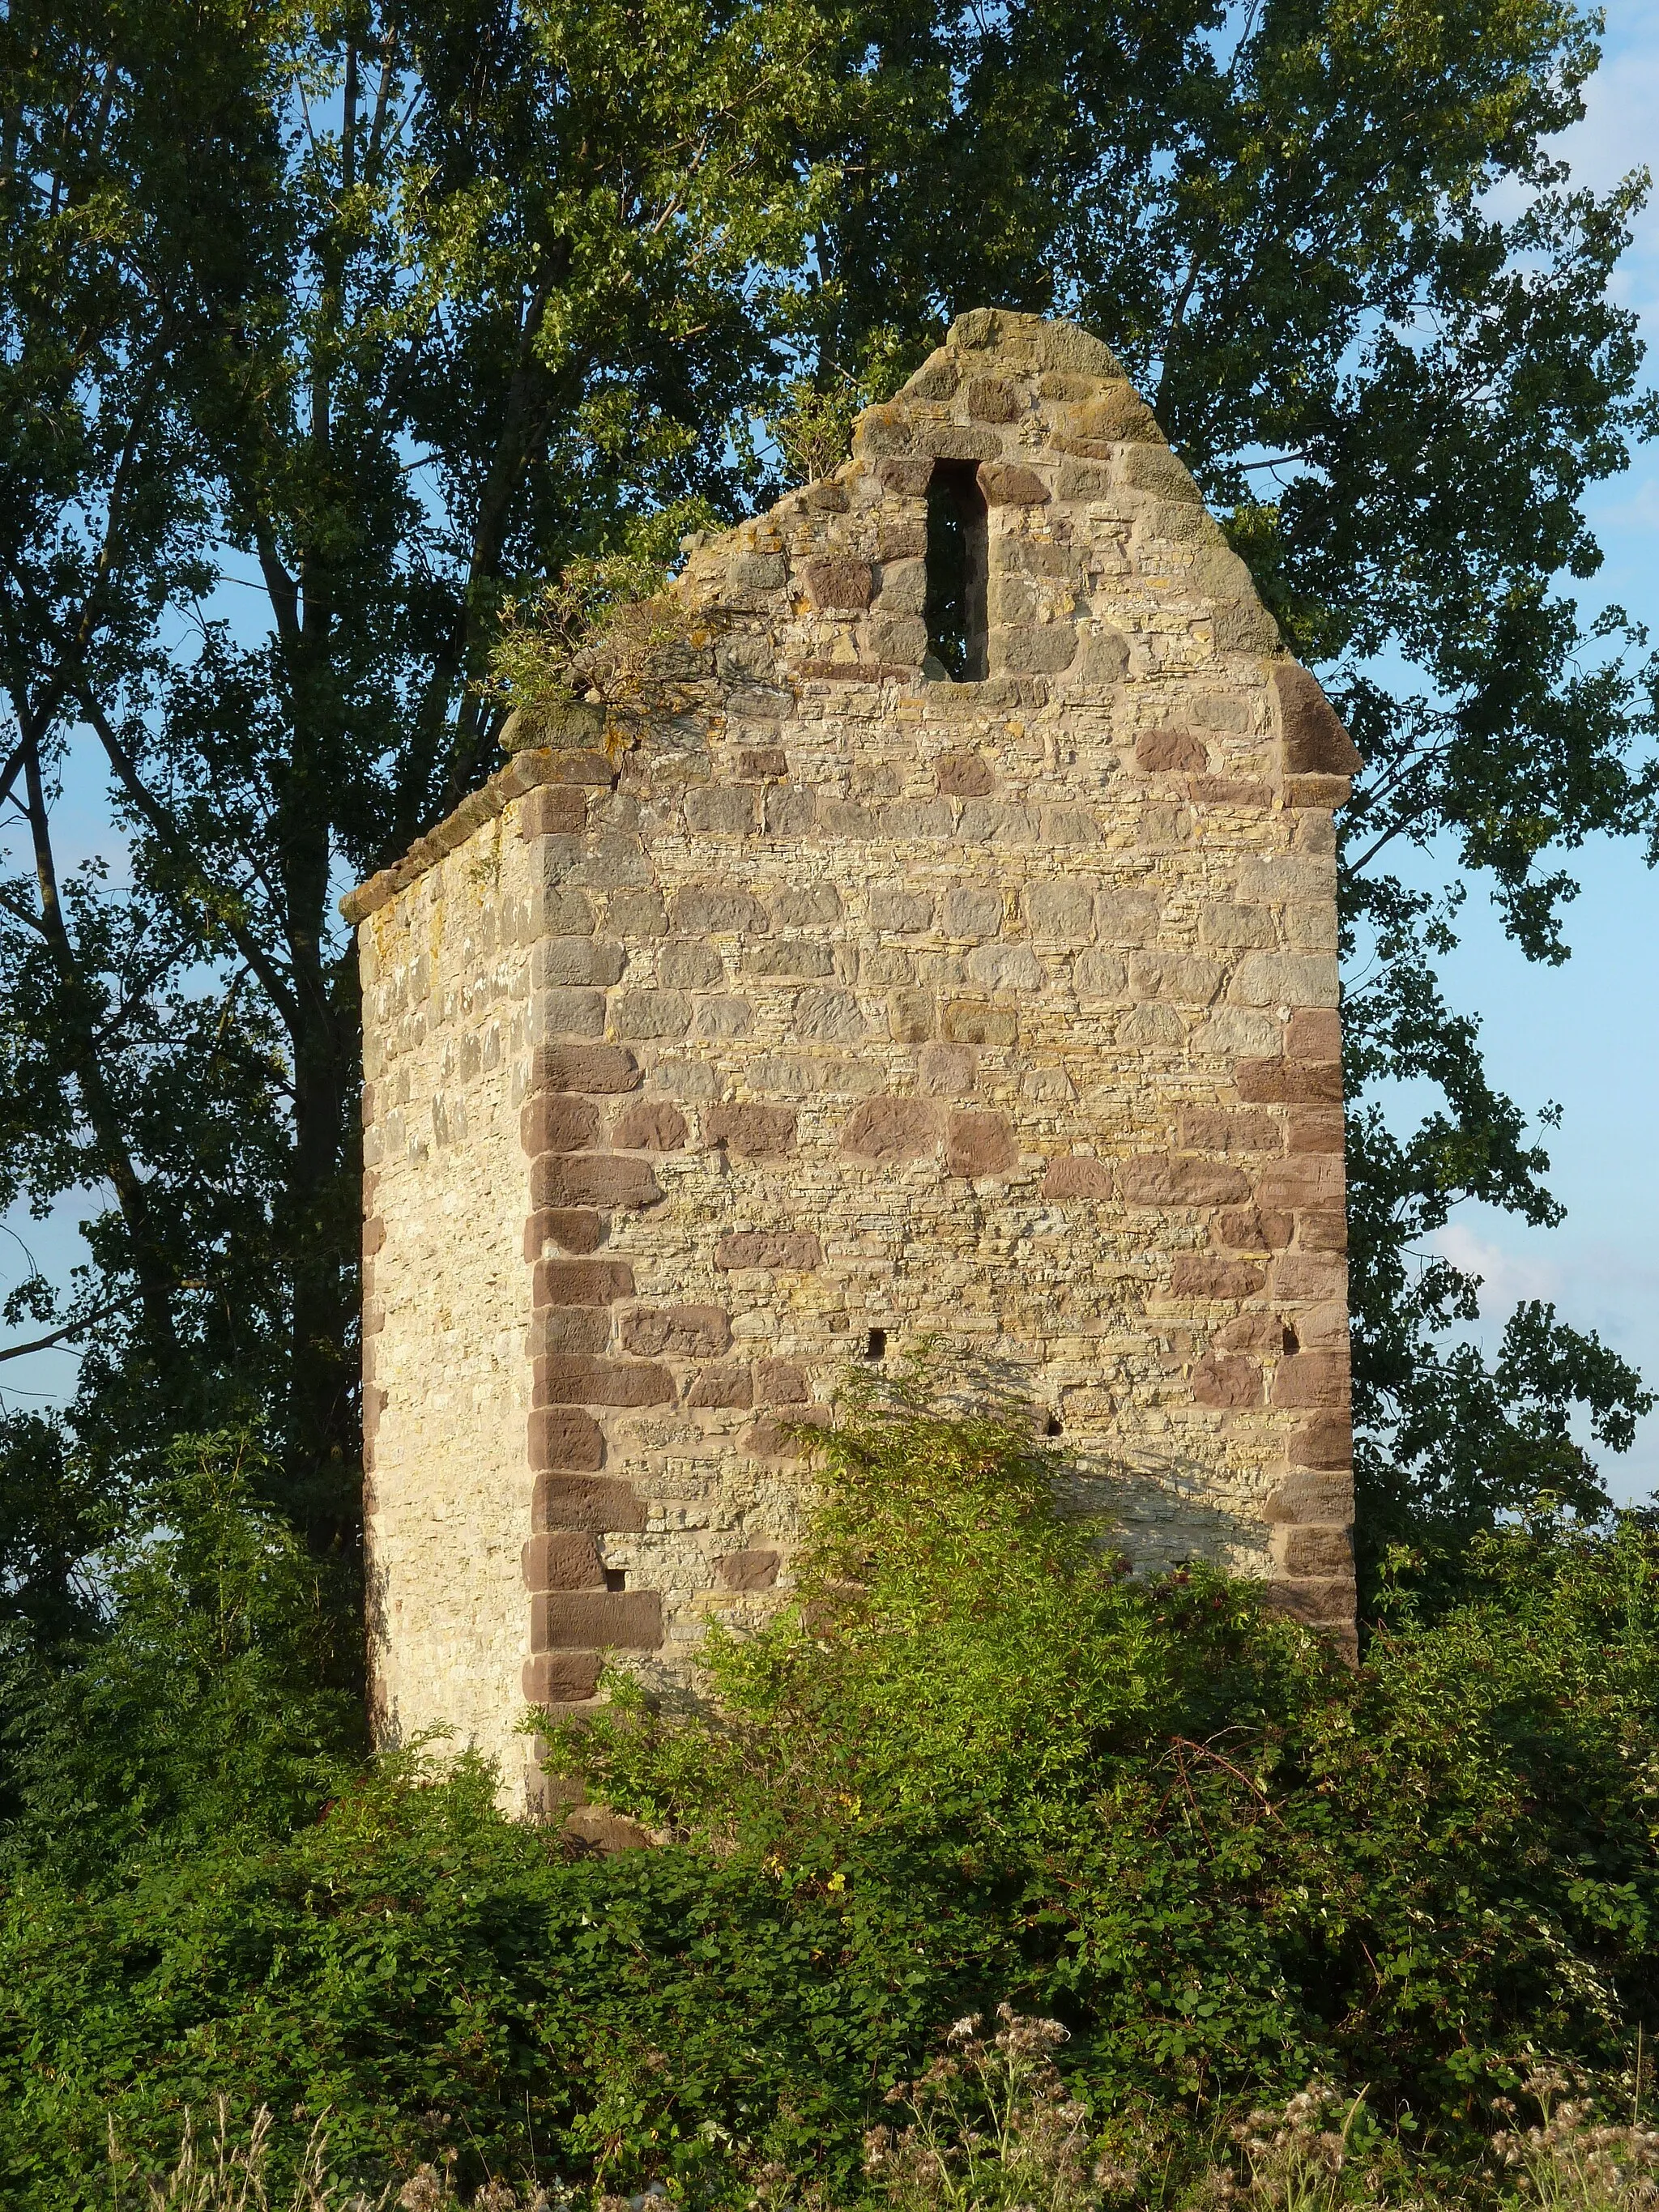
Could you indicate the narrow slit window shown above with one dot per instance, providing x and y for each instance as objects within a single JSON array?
[
  {"x": 875, "y": 1345},
  {"x": 959, "y": 559}
]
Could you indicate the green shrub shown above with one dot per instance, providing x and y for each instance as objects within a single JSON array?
[{"x": 977, "y": 1764}]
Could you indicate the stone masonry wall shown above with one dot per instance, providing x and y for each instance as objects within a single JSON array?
[{"x": 853, "y": 1001}]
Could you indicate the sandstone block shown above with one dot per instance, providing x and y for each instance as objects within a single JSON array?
[
  {"x": 559, "y": 1678},
  {"x": 1309, "y": 1495},
  {"x": 965, "y": 1023},
  {"x": 792, "y": 957},
  {"x": 831, "y": 1016},
  {"x": 1166, "y": 751},
  {"x": 717, "y": 911},
  {"x": 768, "y": 1248},
  {"x": 591, "y": 1179},
  {"x": 682, "y": 1332},
  {"x": 1038, "y": 648},
  {"x": 747, "y": 1570},
  {"x": 582, "y": 1282},
  {"x": 556, "y": 1121},
  {"x": 1227, "y": 1129},
  {"x": 911, "y": 1017},
  {"x": 563, "y": 1437},
  {"x": 1099, "y": 975},
  {"x": 1061, "y": 912},
  {"x": 654, "y": 1126},
  {"x": 993, "y": 399},
  {"x": 1246, "y": 927},
  {"x": 1161, "y": 1179},
  {"x": 780, "y": 1383},
  {"x": 566, "y": 960},
  {"x": 978, "y": 1144},
  {"x": 1293, "y": 979},
  {"x": 574, "y": 1229},
  {"x": 886, "y": 1130},
  {"x": 651, "y": 1016},
  {"x": 1005, "y": 484},
  {"x": 1155, "y": 469},
  {"x": 570, "y": 1013},
  {"x": 752, "y": 1132},
  {"x": 902, "y": 639},
  {"x": 567, "y": 1379},
  {"x": 1315, "y": 1032},
  {"x": 1182, "y": 979},
  {"x": 1228, "y": 1382},
  {"x": 1266, "y": 1333},
  {"x": 636, "y": 912},
  {"x": 1316, "y": 743},
  {"x": 962, "y": 775},
  {"x": 600, "y": 1068},
  {"x": 630, "y": 1620},
  {"x": 722, "y": 1386},
  {"x": 839, "y": 583},
  {"x": 755, "y": 763},
  {"x": 1077, "y": 1175},
  {"x": 972, "y": 911},
  {"x": 1302, "y": 1551},
  {"x": 1314, "y": 1379},
  {"x": 804, "y": 906},
  {"x": 574, "y": 1329},
  {"x": 947, "y": 1071},
  {"x": 562, "y": 1560},
  {"x": 1325, "y": 1441},
  {"x": 1314, "y": 1129},
  {"x": 1005, "y": 968},
  {"x": 1290, "y": 1082},
  {"x": 901, "y": 588},
  {"x": 687, "y": 964}
]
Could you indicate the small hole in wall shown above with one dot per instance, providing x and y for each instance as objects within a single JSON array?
[
  {"x": 1051, "y": 1426},
  {"x": 875, "y": 1345},
  {"x": 616, "y": 1578}
]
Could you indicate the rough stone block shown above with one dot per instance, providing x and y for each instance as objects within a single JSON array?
[
  {"x": 570, "y": 1379},
  {"x": 574, "y": 1229},
  {"x": 1166, "y": 751},
  {"x": 768, "y": 1248},
  {"x": 780, "y": 1383},
  {"x": 807, "y": 906},
  {"x": 717, "y": 911},
  {"x": 563, "y": 1437},
  {"x": 554, "y": 1121},
  {"x": 1315, "y": 742},
  {"x": 628, "y": 1621},
  {"x": 839, "y": 582},
  {"x": 1289, "y": 1082},
  {"x": 582, "y": 1282},
  {"x": 886, "y": 1130},
  {"x": 747, "y": 1570},
  {"x": 722, "y": 1386},
  {"x": 562, "y": 1560},
  {"x": 652, "y": 1015},
  {"x": 1038, "y": 648},
  {"x": 1230, "y": 1383},
  {"x": 600, "y": 1068},
  {"x": 966, "y": 1021},
  {"x": 654, "y": 1125},
  {"x": 1161, "y": 1179},
  {"x": 978, "y": 1144},
  {"x": 752, "y": 1132},
  {"x": 591, "y": 1179},
  {"x": 1313, "y": 1379},
  {"x": 963, "y": 775},
  {"x": 1077, "y": 1175},
  {"x": 681, "y": 1332},
  {"x": 554, "y": 1678},
  {"x": 1005, "y": 484}
]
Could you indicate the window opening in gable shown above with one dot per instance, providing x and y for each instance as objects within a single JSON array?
[{"x": 959, "y": 561}]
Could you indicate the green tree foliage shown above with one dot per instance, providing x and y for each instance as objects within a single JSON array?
[
  {"x": 213, "y": 1691},
  {"x": 976, "y": 1763},
  {"x": 324, "y": 330}
]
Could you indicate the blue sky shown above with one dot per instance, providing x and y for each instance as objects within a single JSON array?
[{"x": 1585, "y": 1035}]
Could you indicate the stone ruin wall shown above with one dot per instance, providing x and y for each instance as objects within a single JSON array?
[{"x": 1001, "y": 1011}]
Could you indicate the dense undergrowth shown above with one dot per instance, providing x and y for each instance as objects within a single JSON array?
[{"x": 976, "y": 1765}]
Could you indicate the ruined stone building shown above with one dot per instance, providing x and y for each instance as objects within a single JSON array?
[{"x": 964, "y": 966}]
